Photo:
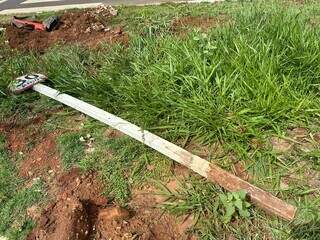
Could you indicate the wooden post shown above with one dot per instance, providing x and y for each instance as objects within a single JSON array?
[{"x": 259, "y": 197}]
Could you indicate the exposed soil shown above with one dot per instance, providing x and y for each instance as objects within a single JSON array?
[
  {"x": 77, "y": 208},
  {"x": 43, "y": 157},
  {"x": 73, "y": 212},
  {"x": 113, "y": 133},
  {"x": 203, "y": 22},
  {"x": 81, "y": 212},
  {"x": 82, "y": 27},
  {"x": 19, "y": 134}
]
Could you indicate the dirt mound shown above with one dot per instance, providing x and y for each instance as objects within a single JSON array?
[
  {"x": 83, "y": 27},
  {"x": 74, "y": 213},
  {"x": 63, "y": 221},
  {"x": 143, "y": 221},
  {"x": 81, "y": 212}
]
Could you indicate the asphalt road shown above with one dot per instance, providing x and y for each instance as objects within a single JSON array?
[{"x": 20, "y": 6}]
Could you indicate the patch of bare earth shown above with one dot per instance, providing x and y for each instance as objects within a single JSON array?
[
  {"x": 184, "y": 24},
  {"x": 152, "y": 222},
  {"x": 19, "y": 134},
  {"x": 299, "y": 140},
  {"x": 113, "y": 133},
  {"x": 82, "y": 27},
  {"x": 77, "y": 208},
  {"x": 73, "y": 212},
  {"x": 43, "y": 157}
]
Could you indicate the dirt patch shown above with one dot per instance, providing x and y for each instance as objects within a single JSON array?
[
  {"x": 202, "y": 22},
  {"x": 17, "y": 140},
  {"x": 43, "y": 157},
  {"x": 18, "y": 135},
  {"x": 77, "y": 207},
  {"x": 280, "y": 145},
  {"x": 148, "y": 222},
  {"x": 82, "y": 27},
  {"x": 81, "y": 212},
  {"x": 74, "y": 213}
]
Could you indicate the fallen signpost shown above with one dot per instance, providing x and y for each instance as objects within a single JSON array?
[{"x": 258, "y": 197}]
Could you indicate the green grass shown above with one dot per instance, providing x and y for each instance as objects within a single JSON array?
[
  {"x": 121, "y": 162},
  {"x": 71, "y": 149},
  {"x": 242, "y": 82}
]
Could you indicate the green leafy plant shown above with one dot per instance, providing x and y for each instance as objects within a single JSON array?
[{"x": 233, "y": 203}]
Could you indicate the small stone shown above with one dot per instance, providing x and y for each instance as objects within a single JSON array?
[
  {"x": 78, "y": 181},
  {"x": 82, "y": 139}
]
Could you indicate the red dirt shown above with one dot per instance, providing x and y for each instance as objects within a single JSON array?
[
  {"x": 113, "y": 133},
  {"x": 18, "y": 135},
  {"x": 81, "y": 212},
  {"x": 43, "y": 157},
  {"x": 77, "y": 209},
  {"x": 76, "y": 27},
  {"x": 17, "y": 140},
  {"x": 202, "y": 22},
  {"x": 74, "y": 213},
  {"x": 149, "y": 222}
]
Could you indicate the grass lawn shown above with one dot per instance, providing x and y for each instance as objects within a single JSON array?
[{"x": 242, "y": 90}]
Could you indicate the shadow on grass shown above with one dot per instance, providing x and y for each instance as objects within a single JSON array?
[{"x": 310, "y": 231}]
